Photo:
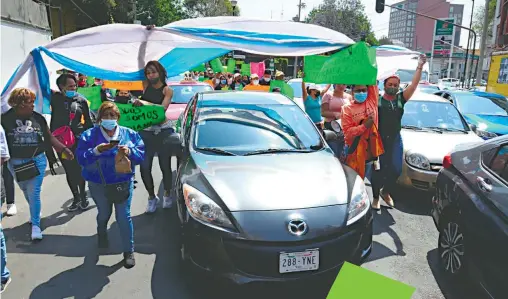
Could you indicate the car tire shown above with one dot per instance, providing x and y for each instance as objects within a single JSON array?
[{"x": 451, "y": 246}]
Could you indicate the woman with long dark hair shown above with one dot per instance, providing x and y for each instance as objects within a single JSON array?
[{"x": 157, "y": 138}]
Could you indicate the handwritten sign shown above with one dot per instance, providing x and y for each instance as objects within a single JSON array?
[
  {"x": 264, "y": 88},
  {"x": 355, "y": 64},
  {"x": 245, "y": 69},
  {"x": 140, "y": 118},
  {"x": 285, "y": 89},
  {"x": 216, "y": 65},
  {"x": 123, "y": 85},
  {"x": 93, "y": 95}
]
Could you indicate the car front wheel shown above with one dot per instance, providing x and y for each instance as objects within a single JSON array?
[{"x": 451, "y": 248}]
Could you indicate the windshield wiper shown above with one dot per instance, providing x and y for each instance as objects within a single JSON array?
[
  {"x": 412, "y": 128},
  {"x": 278, "y": 150},
  {"x": 216, "y": 151},
  {"x": 448, "y": 129}
]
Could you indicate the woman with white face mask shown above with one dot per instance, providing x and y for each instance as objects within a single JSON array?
[
  {"x": 254, "y": 80},
  {"x": 99, "y": 150}
]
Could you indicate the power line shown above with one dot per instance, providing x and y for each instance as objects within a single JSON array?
[{"x": 72, "y": 1}]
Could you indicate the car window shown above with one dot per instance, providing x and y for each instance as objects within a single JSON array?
[
  {"x": 472, "y": 104},
  {"x": 182, "y": 94},
  {"x": 499, "y": 164},
  {"x": 246, "y": 128},
  {"x": 424, "y": 114}
]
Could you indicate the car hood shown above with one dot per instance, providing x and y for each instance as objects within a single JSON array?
[
  {"x": 434, "y": 146},
  {"x": 275, "y": 181},
  {"x": 174, "y": 110},
  {"x": 491, "y": 123}
]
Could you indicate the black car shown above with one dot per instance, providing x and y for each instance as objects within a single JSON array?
[
  {"x": 261, "y": 196},
  {"x": 470, "y": 210}
]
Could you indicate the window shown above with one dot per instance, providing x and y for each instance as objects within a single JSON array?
[{"x": 500, "y": 163}]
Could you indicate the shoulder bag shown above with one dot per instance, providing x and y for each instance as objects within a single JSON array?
[
  {"x": 116, "y": 193},
  {"x": 26, "y": 171}
]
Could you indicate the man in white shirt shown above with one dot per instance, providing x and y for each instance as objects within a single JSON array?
[{"x": 4, "y": 272}]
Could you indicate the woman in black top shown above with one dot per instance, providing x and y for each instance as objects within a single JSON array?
[
  {"x": 157, "y": 137},
  {"x": 68, "y": 108},
  {"x": 28, "y": 138}
]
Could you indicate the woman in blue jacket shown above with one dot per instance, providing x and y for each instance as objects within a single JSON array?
[{"x": 96, "y": 152}]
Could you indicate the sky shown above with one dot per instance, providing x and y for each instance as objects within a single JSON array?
[{"x": 287, "y": 9}]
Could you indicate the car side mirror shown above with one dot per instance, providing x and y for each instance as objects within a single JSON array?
[{"x": 472, "y": 127}]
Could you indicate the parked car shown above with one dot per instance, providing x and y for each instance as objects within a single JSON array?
[
  {"x": 431, "y": 127},
  {"x": 487, "y": 113},
  {"x": 470, "y": 210},
  {"x": 428, "y": 88},
  {"x": 296, "y": 84},
  {"x": 448, "y": 83},
  {"x": 261, "y": 196},
  {"x": 183, "y": 92}
]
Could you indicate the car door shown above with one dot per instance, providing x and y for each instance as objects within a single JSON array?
[{"x": 489, "y": 229}]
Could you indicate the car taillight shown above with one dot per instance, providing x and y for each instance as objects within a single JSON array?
[{"x": 447, "y": 161}]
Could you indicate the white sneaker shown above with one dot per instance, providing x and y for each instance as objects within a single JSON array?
[
  {"x": 168, "y": 199},
  {"x": 152, "y": 205},
  {"x": 11, "y": 210},
  {"x": 36, "y": 233}
]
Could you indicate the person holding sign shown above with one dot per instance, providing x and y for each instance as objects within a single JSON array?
[
  {"x": 156, "y": 138},
  {"x": 391, "y": 110},
  {"x": 331, "y": 110},
  {"x": 99, "y": 152},
  {"x": 312, "y": 103},
  {"x": 70, "y": 117}
]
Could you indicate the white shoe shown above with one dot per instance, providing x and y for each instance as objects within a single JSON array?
[
  {"x": 168, "y": 199},
  {"x": 152, "y": 205},
  {"x": 36, "y": 233},
  {"x": 11, "y": 210}
]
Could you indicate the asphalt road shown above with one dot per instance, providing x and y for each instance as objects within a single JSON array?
[{"x": 65, "y": 264}]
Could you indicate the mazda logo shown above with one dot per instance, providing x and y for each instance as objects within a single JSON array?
[{"x": 297, "y": 227}]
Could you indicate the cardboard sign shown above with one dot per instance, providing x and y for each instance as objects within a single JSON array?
[
  {"x": 245, "y": 69},
  {"x": 231, "y": 65},
  {"x": 258, "y": 68},
  {"x": 93, "y": 95},
  {"x": 285, "y": 89},
  {"x": 140, "y": 118},
  {"x": 264, "y": 88},
  {"x": 216, "y": 65},
  {"x": 123, "y": 85}
]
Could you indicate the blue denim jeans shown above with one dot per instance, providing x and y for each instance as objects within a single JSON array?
[
  {"x": 122, "y": 215},
  {"x": 3, "y": 271},
  {"x": 32, "y": 188}
]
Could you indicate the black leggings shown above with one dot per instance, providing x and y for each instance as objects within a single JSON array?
[
  {"x": 8, "y": 181},
  {"x": 73, "y": 174},
  {"x": 391, "y": 163}
]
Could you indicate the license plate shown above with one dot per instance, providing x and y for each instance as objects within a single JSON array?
[{"x": 299, "y": 261}]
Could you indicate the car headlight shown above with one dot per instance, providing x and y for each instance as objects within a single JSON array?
[
  {"x": 418, "y": 161},
  {"x": 485, "y": 134},
  {"x": 205, "y": 210},
  {"x": 360, "y": 202}
]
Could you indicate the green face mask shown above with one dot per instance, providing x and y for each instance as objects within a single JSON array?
[{"x": 391, "y": 90}]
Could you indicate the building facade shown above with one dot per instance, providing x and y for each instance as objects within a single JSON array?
[
  {"x": 416, "y": 32},
  {"x": 500, "y": 30}
]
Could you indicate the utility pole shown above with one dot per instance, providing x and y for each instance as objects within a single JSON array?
[
  {"x": 483, "y": 42},
  {"x": 295, "y": 71},
  {"x": 134, "y": 11}
]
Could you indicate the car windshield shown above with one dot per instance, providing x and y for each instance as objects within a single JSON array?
[
  {"x": 428, "y": 89},
  {"x": 407, "y": 75},
  {"x": 297, "y": 87},
  {"x": 182, "y": 94},
  {"x": 471, "y": 104},
  {"x": 241, "y": 129},
  {"x": 427, "y": 114}
]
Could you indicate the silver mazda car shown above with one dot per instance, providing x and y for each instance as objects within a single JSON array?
[{"x": 261, "y": 196}]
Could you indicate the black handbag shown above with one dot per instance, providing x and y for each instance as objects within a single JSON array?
[
  {"x": 26, "y": 171},
  {"x": 116, "y": 193}
]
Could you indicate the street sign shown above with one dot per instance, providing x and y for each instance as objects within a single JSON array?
[{"x": 443, "y": 38}]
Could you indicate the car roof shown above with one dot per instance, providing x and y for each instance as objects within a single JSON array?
[
  {"x": 184, "y": 83},
  {"x": 427, "y": 97},
  {"x": 219, "y": 98},
  {"x": 488, "y": 94}
]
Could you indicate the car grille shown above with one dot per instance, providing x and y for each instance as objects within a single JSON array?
[{"x": 262, "y": 258}]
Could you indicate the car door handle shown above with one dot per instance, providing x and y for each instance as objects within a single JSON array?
[{"x": 484, "y": 184}]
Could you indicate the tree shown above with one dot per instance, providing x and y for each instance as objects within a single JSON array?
[
  {"x": 478, "y": 19},
  {"x": 384, "y": 40},
  {"x": 346, "y": 16},
  {"x": 210, "y": 8},
  {"x": 160, "y": 12}
]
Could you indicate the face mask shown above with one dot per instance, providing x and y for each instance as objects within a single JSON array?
[
  {"x": 108, "y": 124},
  {"x": 196, "y": 78},
  {"x": 268, "y": 79},
  {"x": 70, "y": 93},
  {"x": 360, "y": 97},
  {"x": 223, "y": 82},
  {"x": 391, "y": 90},
  {"x": 154, "y": 80},
  {"x": 255, "y": 82},
  {"x": 98, "y": 83}
]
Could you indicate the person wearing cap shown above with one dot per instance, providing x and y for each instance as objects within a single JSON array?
[
  {"x": 254, "y": 79},
  {"x": 312, "y": 103},
  {"x": 279, "y": 75},
  {"x": 390, "y": 112},
  {"x": 266, "y": 78},
  {"x": 237, "y": 82}
]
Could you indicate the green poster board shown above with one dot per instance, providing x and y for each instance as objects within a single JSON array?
[
  {"x": 216, "y": 65},
  {"x": 245, "y": 69},
  {"x": 93, "y": 95},
  {"x": 355, "y": 64},
  {"x": 140, "y": 118},
  {"x": 285, "y": 89},
  {"x": 199, "y": 68},
  {"x": 231, "y": 65}
]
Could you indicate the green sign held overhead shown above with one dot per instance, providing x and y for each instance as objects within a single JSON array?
[
  {"x": 355, "y": 64},
  {"x": 93, "y": 95},
  {"x": 199, "y": 68},
  {"x": 216, "y": 65},
  {"x": 231, "y": 65},
  {"x": 140, "y": 118},
  {"x": 285, "y": 89},
  {"x": 245, "y": 69}
]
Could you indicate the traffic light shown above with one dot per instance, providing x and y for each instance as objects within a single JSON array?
[{"x": 380, "y": 6}]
